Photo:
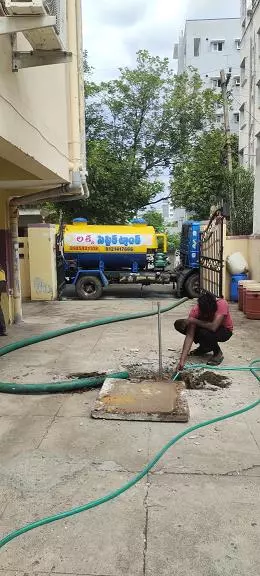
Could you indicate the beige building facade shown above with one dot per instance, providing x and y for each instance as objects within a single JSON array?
[
  {"x": 249, "y": 134},
  {"x": 42, "y": 129}
]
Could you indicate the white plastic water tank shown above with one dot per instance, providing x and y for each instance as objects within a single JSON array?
[{"x": 237, "y": 264}]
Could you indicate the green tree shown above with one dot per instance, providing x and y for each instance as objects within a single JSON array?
[
  {"x": 154, "y": 219},
  {"x": 137, "y": 128},
  {"x": 202, "y": 180},
  {"x": 243, "y": 182},
  {"x": 174, "y": 241}
]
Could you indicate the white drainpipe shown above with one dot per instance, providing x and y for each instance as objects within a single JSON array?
[
  {"x": 72, "y": 69},
  {"x": 81, "y": 83},
  {"x": 17, "y": 295}
]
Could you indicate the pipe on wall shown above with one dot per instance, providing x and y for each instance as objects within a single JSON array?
[
  {"x": 81, "y": 83},
  {"x": 74, "y": 104},
  {"x": 17, "y": 294}
]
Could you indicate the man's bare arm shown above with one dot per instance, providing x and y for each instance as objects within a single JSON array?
[
  {"x": 187, "y": 346},
  {"x": 212, "y": 326}
]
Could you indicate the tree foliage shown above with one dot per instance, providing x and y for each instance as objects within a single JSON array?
[
  {"x": 202, "y": 180},
  {"x": 138, "y": 127},
  {"x": 243, "y": 183},
  {"x": 174, "y": 241},
  {"x": 155, "y": 219}
]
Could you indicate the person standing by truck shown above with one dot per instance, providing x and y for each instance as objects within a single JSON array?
[
  {"x": 2, "y": 289},
  {"x": 209, "y": 323}
]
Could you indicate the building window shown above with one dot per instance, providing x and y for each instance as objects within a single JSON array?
[
  {"x": 176, "y": 52},
  {"x": 236, "y": 117},
  {"x": 258, "y": 41},
  {"x": 215, "y": 83},
  {"x": 237, "y": 81},
  {"x": 242, "y": 116},
  {"x": 217, "y": 46},
  {"x": 243, "y": 71},
  {"x": 220, "y": 118},
  {"x": 238, "y": 44},
  {"x": 257, "y": 149},
  {"x": 258, "y": 95},
  {"x": 196, "y": 47}
]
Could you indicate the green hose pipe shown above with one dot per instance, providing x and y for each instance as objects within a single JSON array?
[
  {"x": 84, "y": 326},
  {"x": 59, "y": 387},
  {"x": 68, "y": 386},
  {"x": 254, "y": 368}
]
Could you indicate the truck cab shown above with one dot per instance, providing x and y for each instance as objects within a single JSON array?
[{"x": 186, "y": 274}]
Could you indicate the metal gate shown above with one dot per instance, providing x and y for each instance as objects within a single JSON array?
[{"x": 211, "y": 255}]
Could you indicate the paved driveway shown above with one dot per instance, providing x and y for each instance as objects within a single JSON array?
[{"x": 196, "y": 514}]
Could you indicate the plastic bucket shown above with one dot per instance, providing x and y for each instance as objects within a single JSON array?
[
  {"x": 252, "y": 309},
  {"x": 235, "y": 279}
]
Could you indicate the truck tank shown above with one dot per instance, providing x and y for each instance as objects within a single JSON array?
[{"x": 115, "y": 247}]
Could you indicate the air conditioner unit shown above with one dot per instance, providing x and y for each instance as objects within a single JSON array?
[
  {"x": 25, "y": 7},
  {"x": 238, "y": 82},
  {"x": 42, "y": 39}
]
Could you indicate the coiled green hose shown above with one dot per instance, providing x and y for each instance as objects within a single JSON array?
[{"x": 254, "y": 368}]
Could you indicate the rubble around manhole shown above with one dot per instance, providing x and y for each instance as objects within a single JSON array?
[
  {"x": 194, "y": 379},
  {"x": 199, "y": 379}
]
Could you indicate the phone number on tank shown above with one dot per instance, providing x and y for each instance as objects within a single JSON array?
[{"x": 99, "y": 249}]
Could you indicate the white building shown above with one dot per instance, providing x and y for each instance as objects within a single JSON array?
[
  {"x": 173, "y": 217},
  {"x": 209, "y": 46},
  {"x": 249, "y": 137}
]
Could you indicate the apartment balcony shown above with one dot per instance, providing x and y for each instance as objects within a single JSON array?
[{"x": 43, "y": 23}]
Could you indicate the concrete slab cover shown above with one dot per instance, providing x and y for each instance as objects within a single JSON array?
[{"x": 148, "y": 400}]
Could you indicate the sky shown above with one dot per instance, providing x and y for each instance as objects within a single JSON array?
[{"x": 115, "y": 29}]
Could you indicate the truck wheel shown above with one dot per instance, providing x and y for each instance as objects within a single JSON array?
[
  {"x": 89, "y": 288},
  {"x": 192, "y": 286}
]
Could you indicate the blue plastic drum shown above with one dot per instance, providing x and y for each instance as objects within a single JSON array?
[{"x": 235, "y": 279}]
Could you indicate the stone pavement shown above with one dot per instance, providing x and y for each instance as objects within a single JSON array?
[{"x": 196, "y": 514}]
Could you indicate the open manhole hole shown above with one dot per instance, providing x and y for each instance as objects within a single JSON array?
[{"x": 138, "y": 373}]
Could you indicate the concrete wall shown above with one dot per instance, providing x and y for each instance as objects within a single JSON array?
[
  {"x": 25, "y": 268},
  {"x": 249, "y": 246},
  {"x": 254, "y": 257},
  {"x": 42, "y": 261},
  {"x": 209, "y": 62},
  {"x": 33, "y": 110},
  {"x": 235, "y": 244}
]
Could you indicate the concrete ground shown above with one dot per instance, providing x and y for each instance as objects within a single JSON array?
[{"x": 196, "y": 514}]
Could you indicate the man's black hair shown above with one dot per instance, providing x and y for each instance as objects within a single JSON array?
[{"x": 207, "y": 306}]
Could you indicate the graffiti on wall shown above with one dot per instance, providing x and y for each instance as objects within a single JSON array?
[{"x": 42, "y": 287}]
